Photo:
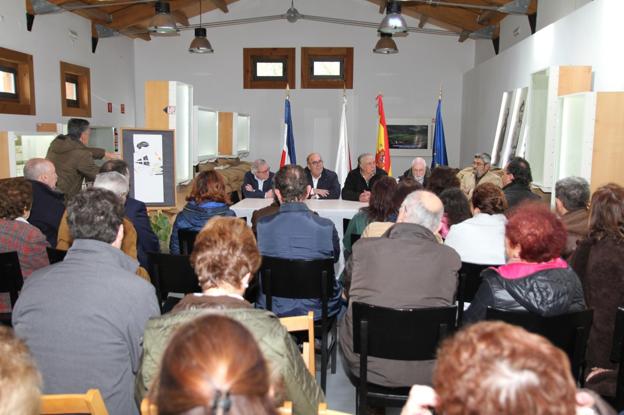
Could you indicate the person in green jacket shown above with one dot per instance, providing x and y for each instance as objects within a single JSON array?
[{"x": 225, "y": 257}]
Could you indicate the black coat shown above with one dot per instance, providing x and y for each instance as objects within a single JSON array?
[
  {"x": 47, "y": 210},
  {"x": 256, "y": 193},
  {"x": 328, "y": 181},
  {"x": 515, "y": 193},
  {"x": 355, "y": 183},
  {"x": 147, "y": 241}
]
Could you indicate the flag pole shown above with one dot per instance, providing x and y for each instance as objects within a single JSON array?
[
  {"x": 287, "y": 91},
  {"x": 344, "y": 89}
]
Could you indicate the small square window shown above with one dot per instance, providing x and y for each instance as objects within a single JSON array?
[
  {"x": 8, "y": 82},
  {"x": 17, "y": 83},
  {"x": 268, "y": 68},
  {"x": 327, "y": 68},
  {"x": 71, "y": 91},
  {"x": 75, "y": 90}
]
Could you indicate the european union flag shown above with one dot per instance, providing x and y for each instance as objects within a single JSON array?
[{"x": 439, "y": 145}]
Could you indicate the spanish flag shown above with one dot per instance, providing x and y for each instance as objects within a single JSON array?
[{"x": 382, "y": 155}]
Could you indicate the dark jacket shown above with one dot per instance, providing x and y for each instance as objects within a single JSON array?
[
  {"x": 47, "y": 210},
  {"x": 515, "y": 193},
  {"x": 407, "y": 174},
  {"x": 272, "y": 209},
  {"x": 256, "y": 193},
  {"x": 328, "y": 181},
  {"x": 285, "y": 362},
  {"x": 73, "y": 162},
  {"x": 404, "y": 268},
  {"x": 194, "y": 217},
  {"x": 355, "y": 183},
  {"x": 147, "y": 241},
  {"x": 547, "y": 289}
]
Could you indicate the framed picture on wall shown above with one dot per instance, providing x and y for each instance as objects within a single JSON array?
[
  {"x": 516, "y": 124},
  {"x": 151, "y": 159},
  {"x": 410, "y": 136},
  {"x": 501, "y": 128}
]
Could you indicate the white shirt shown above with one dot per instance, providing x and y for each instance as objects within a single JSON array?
[
  {"x": 315, "y": 181},
  {"x": 480, "y": 239},
  {"x": 260, "y": 183}
]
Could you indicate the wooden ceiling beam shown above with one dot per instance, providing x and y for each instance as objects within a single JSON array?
[
  {"x": 221, "y": 5},
  {"x": 422, "y": 21},
  {"x": 180, "y": 17}
]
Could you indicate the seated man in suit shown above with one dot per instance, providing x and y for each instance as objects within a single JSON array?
[
  {"x": 417, "y": 171},
  {"x": 258, "y": 183},
  {"x": 360, "y": 180},
  {"x": 295, "y": 232},
  {"x": 324, "y": 182},
  {"x": 404, "y": 268},
  {"x": 47, "y": 203}
]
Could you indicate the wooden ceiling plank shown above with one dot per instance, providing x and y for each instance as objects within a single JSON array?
[
  {"x": 221, "y": 5},
  {"x": 422, "y": 21},
  {"x": 180, "y": 17}
]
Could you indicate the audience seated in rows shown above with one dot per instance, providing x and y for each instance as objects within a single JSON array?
[
  {"x": 47, "y": 202},
  {"x": 83, "y": 318},
  {"x": 212, "y": 365},
  {"x": 405, "y": 268},
  {"x": 295, "y": 232},
  {"x": 442, "y": 178},
  {"x": 418, "y": 171},
  {"x": 20, "y": 381},
  {"x": 16, "y": 234},
  {"x": 496, "y": 368},
  {"x": 481, "y": 239},
  {"x": 225, "y": 259},
  {"x": 207, "y": 199},
  {"x": 360, "y": 181},
  {"x": 535, "y": 277},
  {"x": 516, "y": 181},
  {"x": 323, "y": 182},
  {"x": 572, "y": 206},
  {"x": 599, "y": 262},
  {"x": 258, "y": 183},
  {"x": 456, "y": 209},
  {"x": 480, "y": 172}
]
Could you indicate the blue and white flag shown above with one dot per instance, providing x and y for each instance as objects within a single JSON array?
[{"x": 288, "y": 151}]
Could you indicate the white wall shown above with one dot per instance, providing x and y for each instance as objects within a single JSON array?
[
  {"x": 513, "y": 29},
  {"x": 409, "y": 80},
  {"x": 112, "y": 66},
  {"x": 549, "y": 11},
  {"x": 591, "y": 35}
]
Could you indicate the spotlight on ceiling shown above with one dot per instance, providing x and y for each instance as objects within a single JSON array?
[
  {"x": 200, "y": 44},
  {"x": 386, "y": 45},
  {"x": 163, "y": 22},
  {"x": 393, "y": 21}
]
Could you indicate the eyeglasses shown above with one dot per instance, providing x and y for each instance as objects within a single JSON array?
[
  {"x": 262, "y": 171},
  {"x": 316, "y": 162}
]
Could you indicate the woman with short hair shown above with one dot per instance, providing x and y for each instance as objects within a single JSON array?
[{"x": 456, "y": 209}]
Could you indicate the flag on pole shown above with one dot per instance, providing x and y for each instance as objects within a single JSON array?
[
  {"x": 343, "y": 156},
  {"x": 288, "y": 150},
  {"x": 439, "y": 146},
  {"x": 382, "y": 155}
]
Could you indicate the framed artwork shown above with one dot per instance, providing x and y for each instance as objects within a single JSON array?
[
  {"x": 410, "y": 137},
  {"x": 516, "y": 124},
  {"x": 150, "y": 155},
  {"x": 501, "y": 129}
]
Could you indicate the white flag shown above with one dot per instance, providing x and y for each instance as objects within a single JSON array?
[{"x": 343, "y": 156}]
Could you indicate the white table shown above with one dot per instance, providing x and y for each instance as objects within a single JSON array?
[{"x": 336, "y": 210}]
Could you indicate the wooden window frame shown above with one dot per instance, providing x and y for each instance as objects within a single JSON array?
[
  {"x": 310, "y": 55},
  {"x": 83, "y": 76},
  {"x": 24, "y": 101},
  {"x": 252, "y": 55}
]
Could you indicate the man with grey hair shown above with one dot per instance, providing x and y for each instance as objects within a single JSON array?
[
  {"x": 258, "y": 183},
  {"x": 48, "y": 203},
  {"x": 360, "y": 180},
  {"x": 471, "y": 177},
  {"x": 571, "y": 204},
  {"x": 417, "y": 171},
  {"x": 404, "y": 268}
]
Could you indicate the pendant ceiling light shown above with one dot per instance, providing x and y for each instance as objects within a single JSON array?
[
  {"x": 393, "y": 22},
  {"x": 163, "y": 22},
  {"x": 200, "y": 44},
  {"x": 386, "y": 45}
]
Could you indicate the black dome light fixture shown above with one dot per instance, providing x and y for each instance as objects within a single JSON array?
[{"x": 200, "y": 44}]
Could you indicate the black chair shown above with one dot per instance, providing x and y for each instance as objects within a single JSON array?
[
  {"x": 11, "y": 281},
  {"x": 396, "y": 334},
  {"x": 569, "y": 331},
  {"x": 55, "y": 255},
  {"x": 345, "y": 225},
  {"x": 234, "y": 197},
  {"x": 617, "y": 356},
  {"x": 186, "y": 239},
  {"x": 304, "y": 279},
  {"x": 172, "y": 274},
  {"x": 469, "y": 282}
]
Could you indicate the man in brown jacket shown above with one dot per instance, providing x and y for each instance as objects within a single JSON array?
[
  {"x": 404, "y": 268},
  {"x": 572, "y": 198}
]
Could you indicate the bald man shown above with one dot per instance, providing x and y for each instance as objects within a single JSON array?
[
  {"x": 323, "y": 182},
  {"x": 48, "y": 203},
  {"x": 405, "y": 268}
]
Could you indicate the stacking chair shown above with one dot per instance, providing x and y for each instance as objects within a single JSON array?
[
  {"x": 303, "y": 323},
  {"x": 11, "y": 281},
  {"x": 186, "y": 239},
  {"x": 304, "y": 279},
  {"x": 234, "y": 197},
  {"x": 396, "y": 334},
  {"x": 469, "y": 282},
  {"x": 617, "y": 356},
  {"x": 55, "y": 255},
  {"x": 172, "y": 274},
  {"x": 87, "y": 403},
  {"x": 569, "y": 331}
]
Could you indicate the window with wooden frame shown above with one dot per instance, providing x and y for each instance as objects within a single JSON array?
[
  {"x": 327, "y": 68},
  {"x": 17, "y": 83},
  {"x": 268, "y": 68},
  {"x": 75, "y": 90}
]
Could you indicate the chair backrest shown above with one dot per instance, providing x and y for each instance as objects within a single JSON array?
[
  {"x": 55, "y": 255},
  {"x": 11, "y": 280},
  {"x": 234, "y": 197},
  {"x": 469, "y": 276},
  {"x": 303, "y": 323},
  {"x": 617, "y": 355},
  {"x": 297, "y": 278},
  {"x": 355, "y": 237},
  {"x": 400, "y": 334},
  {"x": 86, "y": 403},
  {"x": 186, "y": 239},
  {"x": 172, "y": 274},
  {"x": 569, "y": 331}
]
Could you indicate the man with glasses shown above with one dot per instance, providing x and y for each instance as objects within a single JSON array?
[
  {"x": 324, "y": 182},
  {"x": 479, "y": 173},
  {"x": 258, "y": 183}
]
